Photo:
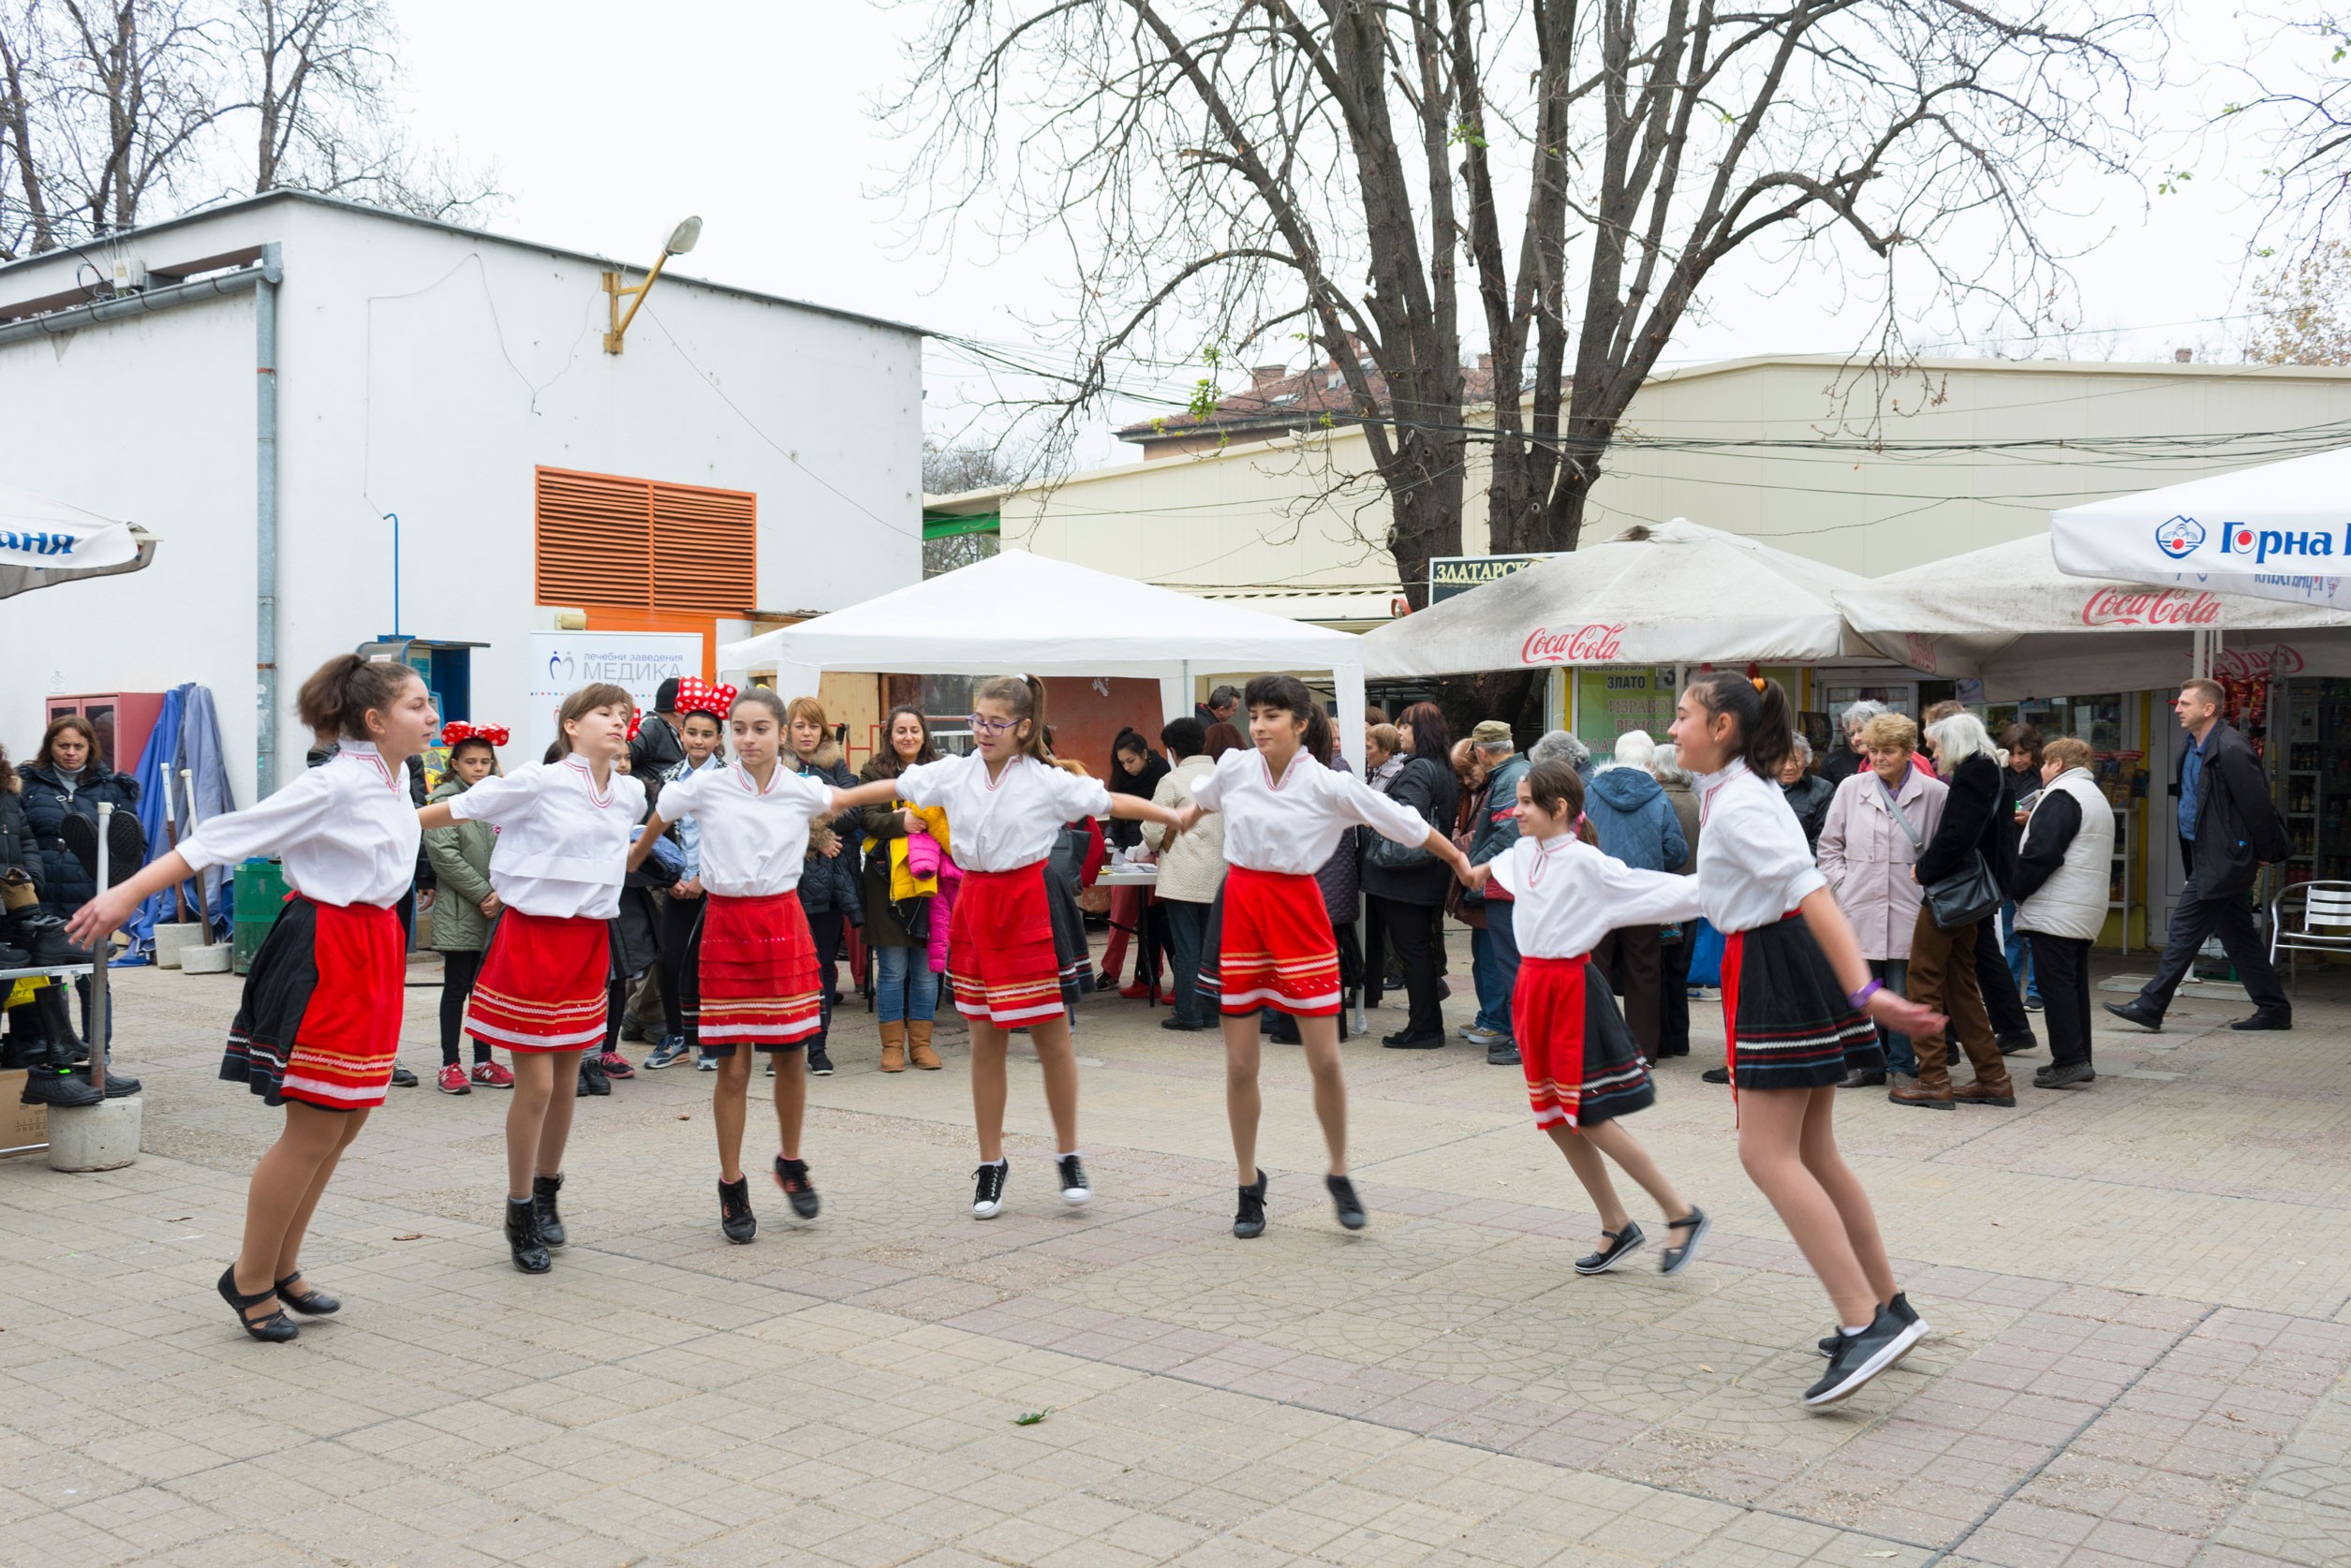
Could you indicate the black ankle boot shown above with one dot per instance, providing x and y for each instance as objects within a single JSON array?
[
  {"x": 543, "y": 1202},
  {"x": 50, "y": 1080},
  {"x": 523, "y": 1238},
  {"x": 43, "y": 935}
]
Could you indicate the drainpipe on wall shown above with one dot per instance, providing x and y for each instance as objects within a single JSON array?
[{"x": 265, "y": 521}]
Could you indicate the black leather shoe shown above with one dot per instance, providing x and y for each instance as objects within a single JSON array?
[
  {"x": 592, "y": 1079},
  {"x": 1405, "y": 1039},
  {"x": 2016, "y": 1045},
  {"x": 2268, "y": 1018},
  {"x": 543, "y": 1202},
  {"x": 1622, "y": 1245},
  {"x": 2138, "y": 1012},
  {"x": 309, "y": 1303},
  {"x": 1178, "y": 1024},
  {"x": 1716, "y": 1075},
  {"x": 276, "y": 1328},
  {"x": 522, "y": 1239},
  {"x": 1858, "y": 1078},
  {"x": 2072, "y": 1075}
]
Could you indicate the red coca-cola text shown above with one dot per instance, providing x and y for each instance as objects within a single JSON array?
[
  {"x": 1586, "y": 645},
  {"x": 2150, "y": 607}
]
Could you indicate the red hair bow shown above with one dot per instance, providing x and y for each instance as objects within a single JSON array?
[
  {"x": 458, "y": 730},
  {"x": 696, "y": 695}
]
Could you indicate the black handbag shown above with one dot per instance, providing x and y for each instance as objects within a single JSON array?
[
  {"x": 1966, "y": 896},
  {"x": 1387, "y": 855}
]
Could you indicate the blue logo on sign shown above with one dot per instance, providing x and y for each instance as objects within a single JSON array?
[{"x": 2179, "y": 538}]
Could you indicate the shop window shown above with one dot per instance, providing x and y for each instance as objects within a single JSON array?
[{"x": 641, "y": 544}]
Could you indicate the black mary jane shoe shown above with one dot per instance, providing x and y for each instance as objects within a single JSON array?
[
  {"x": 309, "y": 1303},
  {"x": 1622, "y": 1245},
  {"x": 276, "y": 1328},
  {"x": 1675, "y": 1257}
]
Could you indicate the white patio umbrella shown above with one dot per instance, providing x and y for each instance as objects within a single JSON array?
[
  {"x": 2282, "y": 531},
  {"x": 44, "y": 543},
  {"x": 1017, "y": 612},
  {"x": 1677, "y": 593},
  {"x": 2008, "y": 617}
]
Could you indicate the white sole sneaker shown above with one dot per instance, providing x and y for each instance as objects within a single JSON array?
[{"x": 1887, "y": 1356}]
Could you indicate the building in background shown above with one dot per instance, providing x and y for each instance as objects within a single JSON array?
[{"x": 563, "y": 512}]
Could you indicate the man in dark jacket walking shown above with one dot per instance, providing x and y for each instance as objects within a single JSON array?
[{"x": 2228, "y": 829}]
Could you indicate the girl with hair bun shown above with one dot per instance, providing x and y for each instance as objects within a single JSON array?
[
  {"x": 1796, "y": 992},
  {"x": 542, "y": 990},
  {"x": 319, "y": 1019},
  {"x": 1006, "y": 803}
]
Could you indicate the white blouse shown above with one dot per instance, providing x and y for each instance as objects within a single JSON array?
[
  {"x": 345, "y": 829},
  {"x": 1753, "y": 866},
  {"x": 563, "y": 848},
  {"x": 1291, "y": 824},
  {"x": 754, "y": 842},
  {"x": 1567, "y": 894},
  {"x": 1008, "y": 821}
]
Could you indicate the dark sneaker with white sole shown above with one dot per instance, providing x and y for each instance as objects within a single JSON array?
[
  {"x": 792, "y": 1176},
  {"x": 736, "y": 1221},
  {"x": 1248, "y": 1222},
  {"x": 820, "y": 1065},
  {"x": 1075, "y": 1189},
  {"x": 1351, "y": 1213},
  {"x": 987, "y": 1198},
  {"x": 1899, "y": 1307},
  {"x": 1859, "y": 1358},
  {"x": 2072, "y": 1074},
  {"x": 1622, "y": 1245}
]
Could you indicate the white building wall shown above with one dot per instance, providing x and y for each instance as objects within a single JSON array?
[{"x": 428, "y": 373}]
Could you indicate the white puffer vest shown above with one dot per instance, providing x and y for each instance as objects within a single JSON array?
[{"x": 2073, "y": 902}]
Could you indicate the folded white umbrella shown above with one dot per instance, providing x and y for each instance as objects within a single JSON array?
[
  {"x": 2008, "y": 617},
  {"x": 1677, "y": 593},
  {"x": 2282, "y": 531},
  {"x": 44, "y": 543}
]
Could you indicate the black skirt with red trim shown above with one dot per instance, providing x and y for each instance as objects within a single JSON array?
[{"x": 1787, "y": 1019}]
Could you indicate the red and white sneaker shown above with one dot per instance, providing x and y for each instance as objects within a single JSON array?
[
  {"x": 452, "y": 1080},
  {"x": 615, "y": 1065},
  {"x": 489, "y": 1074}
]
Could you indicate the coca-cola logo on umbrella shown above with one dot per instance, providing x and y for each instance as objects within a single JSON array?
[
  {"x": 2254, "y": 664},
  {"x": 1587, "y": 644},
  {"x": 2150, "y": 607}
]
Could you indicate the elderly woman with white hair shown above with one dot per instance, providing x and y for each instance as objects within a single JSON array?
[
  {"x": 1845, "y": 760},
  {"x": 1561, "y": 746},
  {"x": 1808, "y": 792},
  {"x": 1942, "y": 962},
  {"x": 1636, "y": 824}
]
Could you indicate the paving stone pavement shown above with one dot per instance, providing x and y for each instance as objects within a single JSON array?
[{"x": 2141, "y": 1297}]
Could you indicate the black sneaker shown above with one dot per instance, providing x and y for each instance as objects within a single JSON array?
[
  {"x": 820, "y": 1065},
  {"x": 2072, "y": 1074},
  {"x": 1502, "y": 1053},
  {"x": 592, "y": 1079},
  {"x": 402, "y": 1078},
  {"x": 987, "y": 1198},
  {"x": 1250, "y": 1221},
  {"x": 1899, "y": 1307},
  {"x": 1716, "y": 1075},
  {"x": 792, "y": 1176},
  {"x": 1344, "y": 1198},
  {"x": 736, "y": 1221},
  {"x": 1859, "y": 1358},
  {"x": 1073, "y": 1187}
]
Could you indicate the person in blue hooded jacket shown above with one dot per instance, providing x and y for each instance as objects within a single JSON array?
[{"x": 1636, "y": 823}]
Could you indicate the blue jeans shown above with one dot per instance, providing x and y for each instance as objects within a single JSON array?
[
  {"x": 1494, "y": 967},
  {"x": 1902, "y": 1055},
  {"x": 1187, "y": 929},
  {"x": 2018, "y": 953},
  {"x": 904, "y": 984}
]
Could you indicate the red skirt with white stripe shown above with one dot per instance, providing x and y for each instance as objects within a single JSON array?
[
  {"x": 1001, "y": 958},
  {"x": 754, "y": 969},
  {"x": 1582, "y": 1064},
  {"x": 319, "y": 1019},
  {"x": 1269, "y": 944},
  {"x": 542, "y": 986}
]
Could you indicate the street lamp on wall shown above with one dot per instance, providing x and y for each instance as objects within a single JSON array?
[{"x": 681, "y": 239}]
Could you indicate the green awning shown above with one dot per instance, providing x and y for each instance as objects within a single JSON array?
[{"x": 950, "y": 527}]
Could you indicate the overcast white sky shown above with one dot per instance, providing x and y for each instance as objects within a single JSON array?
[{"x": 608, "y": 122}]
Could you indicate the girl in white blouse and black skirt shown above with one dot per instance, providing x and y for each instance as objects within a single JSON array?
[
  {"x": 563, "y": 851},
  {"x": 1796, "y": 990},
  {"x": 321, "y": 1016}
]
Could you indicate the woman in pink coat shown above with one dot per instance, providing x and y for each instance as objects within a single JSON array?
[{"x": 1867, "y": 853}]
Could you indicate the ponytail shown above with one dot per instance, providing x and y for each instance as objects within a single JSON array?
[
  {"x": 340, "y": 693},
  {"x": 1024, "y": 697},
  {"x": 1766, "y": 724}
]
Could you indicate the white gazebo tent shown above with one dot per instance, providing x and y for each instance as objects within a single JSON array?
[
  {"x": 2280, "y": 531},
  {"x": 1677, "y": 594},
  {"x": 2010, "y": 617},
  {"x": 1017, "y": 613}
]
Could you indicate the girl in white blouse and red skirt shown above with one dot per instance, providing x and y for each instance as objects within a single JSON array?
[
  {"x": 1584, "y": 1069},
  {"x": 1796, "y": 990},
  {"x": 749, "y": 976},
  {"x": 563, "y": 849},
  {"x": 1007, "y": 802},
  {"x": 321, "y": 1016},
  {"x": 1269, "y": 941}
]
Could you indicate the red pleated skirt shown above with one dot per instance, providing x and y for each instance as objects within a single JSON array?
[
  {"x": 1582, "y": 1063},
  {"x": 319, "y": 1019},
  {"x": 1273, "y": 945},
  {"x": 542, "y": 986},
  {"x": 755, "y": 975},
  {"x": 1001, "y": 958}
]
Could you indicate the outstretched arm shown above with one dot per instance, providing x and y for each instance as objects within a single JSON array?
[
  {"x": 880, "y": 792},
  {"x": 1134, "y": 808},
  {"x": 643, "y": 848},
  {"x": 105, "y": 913},
  {"x": 1837, "y": 944},
  {"x": 436, "y": 815}
]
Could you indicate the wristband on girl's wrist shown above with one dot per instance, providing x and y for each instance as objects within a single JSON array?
[{"x": 1861, "y": 998}]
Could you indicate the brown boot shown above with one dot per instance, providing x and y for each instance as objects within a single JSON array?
[
  {"x": 918, "y": 1040},
  {"x": 1992, "y": 1085},
  {"x": 894, "y": 1047},
  {"x": 1932, "y": 1090}
]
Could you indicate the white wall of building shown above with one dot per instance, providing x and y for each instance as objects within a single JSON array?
[{"x": 428, "y": 372}]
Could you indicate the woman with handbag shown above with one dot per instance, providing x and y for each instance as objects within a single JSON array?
[
  {"x": 901, "y": 900},
  {"x": 1406, "y": 884},
  {"x": 1961, "y": 870},
  {"x": 1879, "y": 820}
]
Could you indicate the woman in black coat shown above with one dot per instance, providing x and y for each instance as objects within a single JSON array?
[
  {"x": 66, "y": 779},
  {"x": 1409, "y": 896},
  {"x": 1942, "y": 963}
]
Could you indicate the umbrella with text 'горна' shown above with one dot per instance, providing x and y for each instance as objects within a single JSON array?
[{"x": 44, "y": 543}]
